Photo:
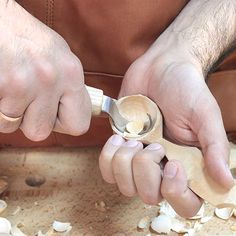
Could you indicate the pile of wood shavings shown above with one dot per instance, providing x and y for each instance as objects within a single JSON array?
[
  {"x": 167, "y": 220},
  {"x": 7, "y": 229}
]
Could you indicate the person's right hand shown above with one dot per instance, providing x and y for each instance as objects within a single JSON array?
[{"x": 40, "y": 78}]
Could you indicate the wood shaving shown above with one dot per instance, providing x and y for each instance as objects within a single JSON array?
[
  {"x": 224, "y": 213},
  {"x": 144, "y": 222},
  {"x": 166, "y": 209},
  {"x": 205, "y": 219},
  {"x": 233, "y": 227},
  {"x": 17, "y": 210},
  {"x": 197, "y": 226},
  {"x": 162, "y": 224},
  {"x": 178, "y": 226},
  {"x": 40, "y": 233},
  {"x": 3, "y": 206},
  {"x": 61, "y": 226},
  {"x": 101, "y": 206},
  {"x": 5, "y": 226}
]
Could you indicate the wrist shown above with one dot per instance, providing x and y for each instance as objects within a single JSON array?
[
  {"x": 207, "y": 38},
  {"x": 171, "y": 49}
]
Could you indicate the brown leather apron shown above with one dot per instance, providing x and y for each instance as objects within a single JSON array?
[{"x": 108, "y": 36}]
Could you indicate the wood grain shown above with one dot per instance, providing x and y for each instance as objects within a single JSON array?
[{"x": 72, "y": 188}]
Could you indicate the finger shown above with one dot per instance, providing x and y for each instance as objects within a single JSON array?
[
  {"x": 133, "y": 78},
  {"x": 106, "y": 156},
  {"x": 147, "y": 173},
  {"x": 39, "y": 118},
  {"x": 12, "y": 107},
  {"x": 74, "y": 112},
  {"x": 122, "y": 167},
  {"x": 9, "y": 124},
  {"x": 175, "y": 190},
  {"x": 214, "y": 143}
]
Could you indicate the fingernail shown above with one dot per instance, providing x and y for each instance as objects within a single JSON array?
[
  {"x": 131, "y": 143},
  {"x": 170, "y": 170},
  {"x": 116, "y": 140},
  {"x": 154, "y": 146}
]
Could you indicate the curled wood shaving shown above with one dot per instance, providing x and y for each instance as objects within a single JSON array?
[
  {"x": 5, "y": 226},
  {"x": 224, "y": 213},
  {"x": 61, "y": 226},
  {"x": 161, "y": 224},
  {"x": 3, "y": 206},
  {"x": 205, "y": 219}
]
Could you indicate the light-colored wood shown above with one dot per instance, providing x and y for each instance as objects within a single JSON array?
[
  {"x": 73, "y": 187},
  {"x": 136, "y": 106},
  {"x": 198, "y": 179},
  {"x": 96, "y": 96}
]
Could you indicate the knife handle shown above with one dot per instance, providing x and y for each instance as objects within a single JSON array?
[{"x": 96, "y": 96}]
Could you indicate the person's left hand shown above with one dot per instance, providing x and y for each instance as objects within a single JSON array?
[{"x": 174, "y": 80}]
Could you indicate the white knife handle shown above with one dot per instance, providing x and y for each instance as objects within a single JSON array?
[{"x": 96, "y": 96}]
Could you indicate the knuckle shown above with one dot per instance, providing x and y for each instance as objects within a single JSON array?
[
  {"x": 18, "y": 83},
  {"x": 46, "y": 73},
  {"x": 73, "y": 68}
]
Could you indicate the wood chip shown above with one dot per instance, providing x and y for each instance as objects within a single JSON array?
[
  {"x": 144, "y": 222},
  {"x": 233, "y": 227},
  {"x": 166, "y": 209},
  {"x": 161, "y": 224},
  {"x": 3, "y": 206},
  {"x": 5, "y": 226},
  {"x": 61, "y": 226},
  {"x": 205, "y": 219},
  {"x": 224, "y": 213}
]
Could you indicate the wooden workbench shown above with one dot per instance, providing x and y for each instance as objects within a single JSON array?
[{"x": 70, "y": 193}]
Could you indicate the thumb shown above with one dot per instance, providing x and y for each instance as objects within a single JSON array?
[
  {"x": 136, "y": 79},
  {"x": 213, "y": 140}
]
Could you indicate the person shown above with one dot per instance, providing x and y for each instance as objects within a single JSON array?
[{"x": 164, "y": 49}]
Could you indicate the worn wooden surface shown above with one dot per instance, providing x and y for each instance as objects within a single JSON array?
[{"x": 72, "y": 188}]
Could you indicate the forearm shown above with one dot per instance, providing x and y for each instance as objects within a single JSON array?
[{"x": 206, "y": 28}]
